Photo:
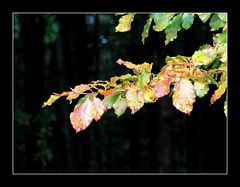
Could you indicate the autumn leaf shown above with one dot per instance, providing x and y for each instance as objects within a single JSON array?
[
  {"x": 201, "y": 89},
  {"x": 111, "y": 99},
  {"x": 219, "y": 92},
  {"x": 125, "y": 23},
  {"x": 106, "y": 92},
  {"x": 81, "y": 117},
  {"x": 184, "y": 96},
  {"x": 200, "y": 58},
  {"x": 135, "y": 99},
  {"x": 143, "y": 79},
  {"x": 85, "y": 112},
  {"x": 149, "y": 95},
  {"x": 113, "y": 80},
  {"x": 51, "y": 100},
  {"x": 120, "y": 106},
  {"x": 162, "y": 86},
  {"x": 139, "y": 68},
  {"x": 225, "y": 108},
  {"x": 98, "y": 108},
  {"x": 77, "y": 91}
]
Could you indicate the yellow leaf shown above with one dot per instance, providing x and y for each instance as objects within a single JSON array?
[
  {"x": 125, "y": 23},
  {"x": 51, "y": 100},
  {"x": 149, "y": 95},
  {"x": 184, "y": 96},
  {"x": 138, "y": 67},
  {"x": 135, "y": 99},
  {"x": 98, "y": 108},
  {"x": 77, "y": 91}
]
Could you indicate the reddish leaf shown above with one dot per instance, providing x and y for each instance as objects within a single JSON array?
[
  {"x": 106, "y": 92},
  {"x": 81, "y": 117},
  {"x": 162, "y": 87},
  {"x": 85, "y": 112},
  {"x": 184, "y": 96},
  {"x": 98, "y": 108}
]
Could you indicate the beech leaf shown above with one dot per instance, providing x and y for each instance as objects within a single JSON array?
[
  {"x": 219, "y": 92},
  {"x": 111, "y": 99},
  {"x": 201, "y": 89},
  {"x": 81, "y": 117},
  {"x": 77, "y": 91},
  {"x": 187, "y": 20},
  {"x": 143, "y": 79},
  {"x": 125, "y": 23},
  {"x": 135, "y": 99},
  {"x": 162, "y": 20},
  {"x": 204, "y": 16},
  {"x": 146, "y": 28},
  {"x": 137, "y": 67},
  {"x": 51, "y": 100},
  {"x": 149, "y": 95},
  {"x": 200, "y": 58},
  {"x": 98, "y": 108},
  {"x": 162, "y": 87},
  {"x": 120, "y": 106},
  {"x": 216, "y": 23},
  {"x": 184, "y": 96}
]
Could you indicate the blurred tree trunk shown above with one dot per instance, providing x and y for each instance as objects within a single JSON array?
[{"x": 33, "y": 32}]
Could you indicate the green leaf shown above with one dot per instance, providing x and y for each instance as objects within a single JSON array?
[
  {"x": 172, "y": 29},
  {"x": 89, "y": 96},
  {"x": 200, "y": 89},
  {"x": 187, "y": 20},
  {"x": 223, "y": 16},
  {"x": 143, "y": 79},
  {"x": 225, "y": 108},
  {"x": 162, "y": 20},
  {"x": 216, "y": 23},
  {"x": 220, "y": 38},
  {"x": 200, "y": 58},
  {"x": 204, "y": 16},
  {"x": 110, "y": 100},
  {"x": 82, "y": 99},
  {"x": 146, "y": 28},
  {"x": 120, "y": 106},
  {"x": 125, "y": 23}
]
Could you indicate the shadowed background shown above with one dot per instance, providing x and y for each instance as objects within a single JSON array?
[{"x": 55, "y": 52}]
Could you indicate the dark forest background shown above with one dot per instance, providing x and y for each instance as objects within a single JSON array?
[{"x": 55, "y": 52}]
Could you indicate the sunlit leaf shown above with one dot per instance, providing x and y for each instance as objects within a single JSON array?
[
  {"x": 223, "y": 16},
  {"x": 201, "y": 89},
  {"x": 204, "y": 16},
  {"x": 111, "y": 99},
  {"x": 51, "y": 100},
  {"x": 143, "y": 79},
  {"x": 135, "y": 99},
  {"x": 149, "y": 95},
  {"x": 200, "y": 58},
  {"x": 221, "y": 89},
  {"x": 187, "y": 20},
  {"x": 77, "y": 91},
  {"x": 225, "y": 108},
  {"x": 146, "y": 28},
  {"x": 172, "y": 29},
  {"x": 162, "y": 87},
  {"x": 106, "y": 92},
  {"x": 220, "y": 38},
  {"x": 138, "y": 67},
  {"x": 120, "y": 106},
  {"x": 81, "y": 117},
  {"x": 216, "y": 23},
  {"x": 162, "y": 20},
  {"x": 114, "y": 79},
  {"x": 98, "y": 108},
  {"x": 184, "y": 96},
  {"x": 125, "y": 23}
]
